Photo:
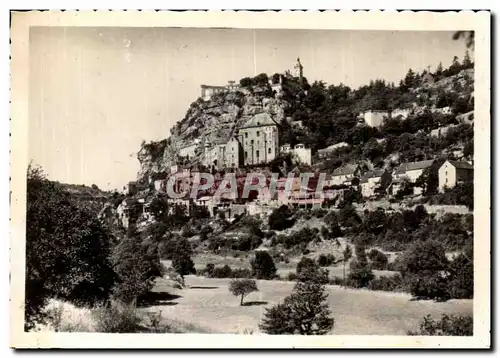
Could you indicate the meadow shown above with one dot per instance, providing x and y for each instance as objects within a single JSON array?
[{"x": 207, "y": 304}]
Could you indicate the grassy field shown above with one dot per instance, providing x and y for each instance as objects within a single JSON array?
[{"x": 207, "y": 303}]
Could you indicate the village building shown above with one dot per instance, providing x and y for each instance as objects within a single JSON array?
[
  {"x": 207, "y": 91},
  {"x": 374, "y": 118},
  {"x": 300, "y": 151},
  {"x": 410, "y": 171},
  {"x": 344, "y": 175},
  {"x": 441, "y": 131},
  {"x": 454, "y": 172},
  {"x": 259, "y": 139},
  {"x": 370, "y": 181}
]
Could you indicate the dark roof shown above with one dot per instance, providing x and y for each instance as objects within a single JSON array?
[
  {"x": 406, "y": 167},
  {"x": 461, "y": 165},
  {"x": 259, "y": 120}
]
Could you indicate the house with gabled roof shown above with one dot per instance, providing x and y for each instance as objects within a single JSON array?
[
  {"x": 344, "y": 174},
  {"x": 453, "y": 172},
  {"x": 259, "y": 138},
  {"x": 370, "y": 181}
]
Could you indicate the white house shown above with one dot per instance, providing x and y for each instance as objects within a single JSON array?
[
  {"x": 343, "y": 175},
  {"x": 374, "y": 118},
  {"x": 412, "y": 171},
  {"x": 302, "y": 153},
  {"x": 454, "y": 172},
  {"x": 370, "y": 181}
]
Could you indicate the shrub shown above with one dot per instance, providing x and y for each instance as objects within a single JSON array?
[
  {"x": 242, "y": 287},
  {"x": 431, "y": 286},
  {"x": 379, "y": 261},
  {"x": 392, "y": 283},
  {"x": 117, "y": 318},
  {"x": 448, "y": 325},
  {"x": 241, "y": 273},
  {"x": 304, "y": 312},
  {"x": 222, "y": 272},
  {"x": 326, "y": 260},
  {"x": 263, "y": 266}
]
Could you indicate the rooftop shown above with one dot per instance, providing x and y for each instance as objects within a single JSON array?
[
  {"x": 461, "y": 165},
  {"x": 259, "y": 120},
  {"x": 406, "y": 167}
]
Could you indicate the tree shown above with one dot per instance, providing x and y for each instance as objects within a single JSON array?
[
  {"x": 246, "y": 82},
  {"x": 308, "y": 271},
  {"x": 360, "y": 273},
  {"x": 67, "y": 250},
  {"x": 181, "y": 260},
  {"x": 280, "y": 219},
  {"x": 304, "y": 312},
  {"x": 263, "y": 267},
  {"x": 136, "y": 267},
  {"x": 467, "y": 63},
  {"x": 347, "y": 254},
  {"x": 425, "y": 266},
  {"x": 242, "y": 288}
]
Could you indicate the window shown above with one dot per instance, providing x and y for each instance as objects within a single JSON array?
[
  {"x": 246, "y": 155},
  {"x": 251, "y": 142},
  {"x": 246, "y": 134},
  {"x": 232, "y": 149},
  {"x": 257, "y": 153},
  {"x": 269, "y": 150},
  {"x": 258, "y": 134}
]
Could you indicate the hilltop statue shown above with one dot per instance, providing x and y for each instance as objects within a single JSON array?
[{"x": 298, "y": 69}]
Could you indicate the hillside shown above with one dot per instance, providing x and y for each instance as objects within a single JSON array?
[{"x": 318, "y": 116}]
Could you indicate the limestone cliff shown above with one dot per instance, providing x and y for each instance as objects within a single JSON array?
[{"x": 208, "y": 122}]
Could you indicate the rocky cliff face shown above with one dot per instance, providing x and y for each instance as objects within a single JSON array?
[{"x": 209, "y": 122}]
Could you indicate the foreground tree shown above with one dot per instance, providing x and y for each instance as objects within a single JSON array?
[
  {"x": 242, "y": 288},
  {"x": 136, "y": 266},
  {"x": 304, "y": 312},
  {"x": 426, "y": 267},
  {"x": 67, "y": 250}
]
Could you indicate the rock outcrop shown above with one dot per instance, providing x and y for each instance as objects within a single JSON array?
[{"x": 207, "y": 123}]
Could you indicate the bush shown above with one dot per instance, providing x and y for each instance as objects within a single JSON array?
[
  {"x": 308, "y": 271},
  {"x": 304, "y": 312},
  {"x": 448, "y": 325},
  {"x": 242, "y": 287},
  {"x": 263, "y": 267},
  {"x": 379, "y": 261},
  {"x": 326, "y": 260},
  {"x": 117, "y": 318},
  {"x": 430, "y": 286},
  {"x": 222, "y": 272},
  {"x": 392, "y": 283}
]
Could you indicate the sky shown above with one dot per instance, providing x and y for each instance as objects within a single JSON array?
[{"x": 96, "y": 93}]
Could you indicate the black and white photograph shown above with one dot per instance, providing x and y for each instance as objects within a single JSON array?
[{"x": 241, "y": 177}]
